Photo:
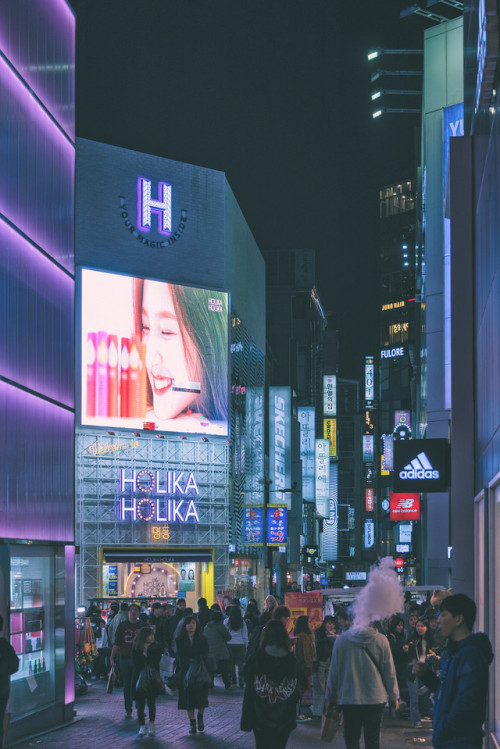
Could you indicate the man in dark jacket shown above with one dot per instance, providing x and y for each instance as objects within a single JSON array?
[
  {"x": 203, "y": 612},
  {"x": 462, "y": 686},
  {"x": 9, "y": 664}
]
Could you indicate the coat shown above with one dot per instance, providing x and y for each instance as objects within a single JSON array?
[
  {"x": 461, "y": 693},
  {"x": 217, "y": 636},
  {"x": 271, "y": 691},
  {"x": 188, "y": 651},
  {"x": 354, "y": 679}
]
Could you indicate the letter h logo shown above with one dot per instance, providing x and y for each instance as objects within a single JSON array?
[{"x": 147, "y": 205}]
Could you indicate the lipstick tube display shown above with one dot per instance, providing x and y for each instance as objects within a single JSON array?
[
  {"x": 101, "y": 383},
  {"x": 91, "y": 373},
  {"x": 124, "y": 376},
  {"x": 113, "y": 381},
  {"x": 134, "y": 383},
  {"x": 143, "y": 387}
]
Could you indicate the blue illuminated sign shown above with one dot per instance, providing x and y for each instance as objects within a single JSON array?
[
  {"x": 276, "y": 526},
  {"x": 253, "y": 525}
]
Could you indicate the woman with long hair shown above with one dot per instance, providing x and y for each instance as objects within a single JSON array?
[
  {"x": 186, "y": 344},
  {"x": 145, "y": 652},
  {"x": 239, "y": 642},
  {"x": 191, "y": 645},
  {"x": 399, "y": 649},
  {"x": 325, "y": 637},
  {"x": 419, "y": 649},
  {"x": 251, "y": 617},
  {"x": 305, "y": 652},
  {"x": 218, "y": 636},
  {"x": 271, "y": 692}
]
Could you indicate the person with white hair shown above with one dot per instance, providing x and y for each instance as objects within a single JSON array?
[{"x": 362, "y": 676}]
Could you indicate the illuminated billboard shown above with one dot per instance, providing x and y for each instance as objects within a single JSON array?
[
  {"x": 323, "y": 478},
  {"x": 306, "y": 417},
  {"x": 330, "y": 434},
  {"x": 329, "y": 395},
  {"x": 154, "y": 355},
  {"x": 280, "y": 443},
  {"x": 369, "y": 379}
]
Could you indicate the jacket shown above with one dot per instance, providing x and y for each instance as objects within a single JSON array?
[
  {"x": 354, "y": 679},
  {"x": 461, "y": 692},
  {"x": 9, "y": 664},
  {"x": 238, "y": 636},
  {"x": 271, "y": 691},
  {"x": 305, "y": 652},
  {"x": 217, "y": 635},
  {"x": 121, "y": 616},
  {"x": 152, "y": 657}
]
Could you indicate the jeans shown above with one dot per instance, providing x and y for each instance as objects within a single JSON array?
[
  {"x": 126, "y": 668},
  {"x": 224, "y": 669},
  {"x": 366, "y": 717},
  {"x": 237, "y": 659},
  {"x": 414, "y": 711},
  {"x": 265, "y": 739},
  {"x": 140, "y": 702}
]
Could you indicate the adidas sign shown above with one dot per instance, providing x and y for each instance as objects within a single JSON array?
[{"x": 419, "y": 468}]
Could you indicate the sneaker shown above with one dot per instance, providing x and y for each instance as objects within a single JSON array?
[
  {"x": 302, "y": 718},
  {"x": 418, "y": 724},
  {"x": 426, "y": 720},
  {"x": 151, "y": 729},
  {"x": 142, "y": 730}
]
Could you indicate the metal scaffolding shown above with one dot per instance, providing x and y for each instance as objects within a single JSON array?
[{"x": 99, "y": 460}]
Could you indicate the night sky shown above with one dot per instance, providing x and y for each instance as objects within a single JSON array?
[{"x": 276, "y": 94}]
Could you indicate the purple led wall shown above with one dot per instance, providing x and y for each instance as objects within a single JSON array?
[
  {"x": 37, "y": 168},
  {"x": 36, "y": 319},
  {"x": 36, "y": 467},
  {"x": 38, "y": 37}
]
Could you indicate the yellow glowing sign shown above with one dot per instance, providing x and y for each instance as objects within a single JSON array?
[
  {"x": 160, "y": 533},
  {"x": 330, "y": 434}
]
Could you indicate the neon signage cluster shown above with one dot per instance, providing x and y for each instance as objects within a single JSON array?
[{"x": 150, "y": 496}]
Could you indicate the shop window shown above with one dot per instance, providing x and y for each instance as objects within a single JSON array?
[{"x": 32, "y": 627}]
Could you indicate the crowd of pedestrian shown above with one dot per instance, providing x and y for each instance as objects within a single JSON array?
[{"x": 423, "y": 662}]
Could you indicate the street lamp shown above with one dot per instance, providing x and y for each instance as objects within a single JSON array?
[{"x": 378, "y": 52}]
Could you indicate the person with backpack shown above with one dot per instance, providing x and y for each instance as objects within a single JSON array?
[{"x": 9, "y": 664}]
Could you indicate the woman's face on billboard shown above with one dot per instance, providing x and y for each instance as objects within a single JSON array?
[{"x": 167, "y": 360}]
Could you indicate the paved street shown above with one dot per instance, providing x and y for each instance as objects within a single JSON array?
[{"x": 100, "y": 721}]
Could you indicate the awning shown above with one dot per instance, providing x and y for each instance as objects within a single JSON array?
[{"x": 150, "y": 556}]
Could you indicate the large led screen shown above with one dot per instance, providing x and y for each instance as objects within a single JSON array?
[{"x": 154, "y": 355}]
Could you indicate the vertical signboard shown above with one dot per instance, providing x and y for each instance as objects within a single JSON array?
[
  {"x": 322, "y": 477},
  {"x": 330, "y": 434},
  {"x": 369, "y": 499},
  {"x": 369, "y": 379},
  {"x": 402, "y": 417},
  {"x": 280, "y": 443},
  {"x": 369, "y": 534},
  {"x": 253, "y": 526},
  {"x": 306, "y": 417},
  {"x": 254, "y": 446},
  {"x": 388, "y": 454},
  {"x": 329, "y": 395},
  {"x": 276, "y": 526},
  {"x": 368, "y": 448},
  {"x": 330, "y": 524}
]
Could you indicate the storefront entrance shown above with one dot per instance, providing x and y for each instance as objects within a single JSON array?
[{"x": 150, "y": 574}]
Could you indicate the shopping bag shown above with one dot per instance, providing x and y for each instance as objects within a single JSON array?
[
  {"x": 167, "y": 665},
  {"x": 330, "y": 724},
  {"x": 197, "y": 676},
  {"x": 111, "y": 680}
]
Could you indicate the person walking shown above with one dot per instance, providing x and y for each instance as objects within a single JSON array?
[
  {"x": 238, "y": 644},
  {"x": 191, "y": 645},
  {"x": 271, "y": 691},
  {"x": 251, "y": 618},
  {"x": 361, "y": 679},
  {"x": 418, "y": 650},
  {"x": 304, "y": 649},
  {"x": 325, "y": 637},
  {"x": 145, "y": 652},
  {"x": 399, "y": 649},
  {"x": 462, "y": 686},
  {"x": 124, "y": 639},
  {"x": 9, "y": 664},
  {"x": 218, "y": 636},
  {"x": 120, "y": 616},
  {"x": 203, "y": 612}
]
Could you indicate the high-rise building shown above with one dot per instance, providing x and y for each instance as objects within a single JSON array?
[{"x": 37, "y": 167}]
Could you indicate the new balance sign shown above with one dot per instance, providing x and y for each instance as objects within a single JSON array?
[
  {"x": 405, "y": 506},
  {"x": 421, "y": 465}
]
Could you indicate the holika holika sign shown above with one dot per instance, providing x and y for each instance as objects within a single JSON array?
[{"x": 153, "y": 495}]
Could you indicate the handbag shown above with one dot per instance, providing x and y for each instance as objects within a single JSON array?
[
  {"x": 149, "y": 681},
  {"x": 330, "y": 724},
  {"x": 197, "y": 676},
  {"x": 111, "y": 681}
]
